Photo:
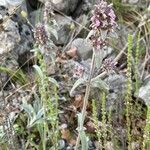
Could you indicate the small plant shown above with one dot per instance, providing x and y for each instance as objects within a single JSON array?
[
  {"x": 96, "y": 123},
  {"x": 45, "y": 116},
  {"x": 128, "y": 94}
]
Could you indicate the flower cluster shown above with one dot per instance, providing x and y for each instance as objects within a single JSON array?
[
  {"x": 97, "y": 41},
  {"x": 102, "y": 21},
  {"x": 109, "y": 65},
  {"x": 78, "y": 71},
  {"x": 40, "y": 35},
  {"x": 103, "y": 17}
]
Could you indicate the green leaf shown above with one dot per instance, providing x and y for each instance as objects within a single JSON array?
[
  {"x": 53, "y": 31},
  {"x": 52, "y": 80},
  {"x": 98, "y": 83},
  {"x": 28, "y": 109},
  {"x": 83, "y": 137},
  {"x": 39, "y": 71},
  {"x": 98, "y": 58},
  {"x": 38, "y": 118},
  {"x": 76, "y": 84},
  {"x": 84, "y": 140}
]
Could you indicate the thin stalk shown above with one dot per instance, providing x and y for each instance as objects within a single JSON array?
[{"x": 87, "y": 93}]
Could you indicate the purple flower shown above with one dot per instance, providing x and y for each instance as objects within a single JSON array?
[
  {"x": 103, "y": 17},
  {"x": 97, "y": 42},
  {"x": 78, "y": 71},
  {"x": 102, "y": 23},
  {"x": 108, "y": 64},
  {"x": 40, "y": 34}
]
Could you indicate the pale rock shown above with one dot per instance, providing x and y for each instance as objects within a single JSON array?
[
  {"x": 83, "y": 47},
  {"x": 144, "y": 93},
  {"x": 63, "y": 29},
  {"x": 9, "y": 39}
]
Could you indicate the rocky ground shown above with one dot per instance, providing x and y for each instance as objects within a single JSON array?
[{"x": 72, "y": 49}]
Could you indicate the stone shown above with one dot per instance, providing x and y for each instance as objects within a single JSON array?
[
  {"x": 26, "y": 42},
  {"x": 64, "y": 6},
  {"x": 144, "y": 92},
  {"x": 83, "y": 48},
  {"x": 133, "y": 1},
  {"x": 9, "y": 61},
  {"x": 11, "y": 38},
  {"x": 9, "y": 3},
  {"x": 63, "y": 29},
  {"x": 115, "y": 97}
]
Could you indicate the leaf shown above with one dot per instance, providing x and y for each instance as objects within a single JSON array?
[
  {"x": 39, "y": 71},
  {"x": 52, "y": 80},
  {"x": 38, "y": 118},
  {"x": 84, "y": 140},
  {"x": 53, "y": 31},
  {"x": 98, "y": 83},
  {"x": 98, "y": 58},
  {"x": 28, "y": 109},
  {"x": 76, "y": 84},
  {"x": 83, "y": 137}
]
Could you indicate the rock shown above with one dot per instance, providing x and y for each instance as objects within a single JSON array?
[
  {"x": 10, "y": 37},
  {"x": 144, "y": 92},
  {"x": 115, "y": 97},
  {"x": 64, "y": 6},
  {"x": 63, "y": 29},
  {"x": 84, "y": 7},
  {"x": 26, "y": 42},
  {"x": 9, "y": 3},
  {"x": 83, "y": 47},
  {"x": 133, "y": 1},
  {"x": 61, "y": 144},
  {"x": 9, "y": 61},
  {"x": 16, "y": 39}
]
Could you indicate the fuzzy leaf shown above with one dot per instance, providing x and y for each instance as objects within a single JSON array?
[
  {"x": 84, "y": 140},
  {"x": 98, "y": 58},
  {"x": 39, "y": 71},
  {"x": 28, "y": 109},
  {"x": 52, "y": 80},
  {"x": 98, "y": 83},
  {"x": 76, "y": 84},
  {"x": 83, "y": 137}
]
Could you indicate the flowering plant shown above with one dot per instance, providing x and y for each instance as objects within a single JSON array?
[{"x": 102, "y": 23}]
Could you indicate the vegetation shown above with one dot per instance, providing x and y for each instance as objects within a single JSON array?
[{"x": 47, "y": 120}]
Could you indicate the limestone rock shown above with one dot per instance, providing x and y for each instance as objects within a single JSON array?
[
  {"x": 9, "y": 39},
  {"x": 144, "y": 92},
  {"x": 65, "y": 6},
  {"x": 63, "y": 30},
  {"x": 83, "y": 47},
  {"x": 115, "y": 98}
]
